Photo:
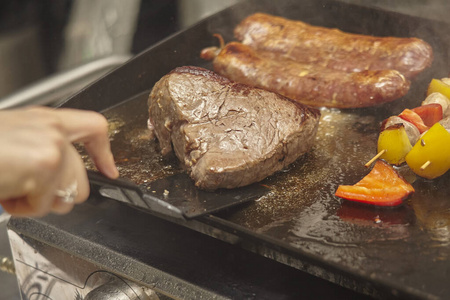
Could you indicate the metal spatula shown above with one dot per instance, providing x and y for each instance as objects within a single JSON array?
[{"x": 174, "y": 196}]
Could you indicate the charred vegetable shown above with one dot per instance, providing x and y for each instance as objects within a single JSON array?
[
  {"x": 438, "y": 98},
  {"x": 429, "y": 113},
  {"x": 394, "y": 143},
  {"x": 412, "y": 117},
  {"x": 383, "y": 186}
]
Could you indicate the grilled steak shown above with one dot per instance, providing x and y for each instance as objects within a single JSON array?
[{"x": 228, "y": 134}]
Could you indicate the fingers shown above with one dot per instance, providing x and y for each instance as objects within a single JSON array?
[
  {"x": 44, "y": 201},
  {"x": 19, "y": 207},
  {"x": 37, "y": 157},
  {"x": 76, "y": 177},
  {"x": 91, "y": 129},
  {"x": 87, "y": 127},
  {"x": 29, "y": 206}
]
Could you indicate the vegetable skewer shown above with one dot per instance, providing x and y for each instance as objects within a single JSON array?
[
  {"x": 379, "y": 154},
  {"x": 412, "y": 125},
  {"x": 420, "y": 137}
]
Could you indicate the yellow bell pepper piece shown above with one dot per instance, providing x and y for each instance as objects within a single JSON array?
[
  {"x": 430, "y": 156},
  {"x": 438, "y": 86},
  {"x": 395, "y": 143}
]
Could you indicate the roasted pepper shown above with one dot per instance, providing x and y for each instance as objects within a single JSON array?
[
  {"x": 412, "y": 117},
  {"x": 430, "y": 156},
  {"x": 383, "y": 186},
  {"x": 429, "y": 113}
]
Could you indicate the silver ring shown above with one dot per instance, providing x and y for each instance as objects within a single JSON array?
[{"x": 69, "y": 194}]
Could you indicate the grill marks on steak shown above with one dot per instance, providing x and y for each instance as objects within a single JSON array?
[{"x": 228, "y": 134}]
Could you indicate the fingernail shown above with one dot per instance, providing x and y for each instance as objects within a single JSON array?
[{"x": 112, "y": 172}]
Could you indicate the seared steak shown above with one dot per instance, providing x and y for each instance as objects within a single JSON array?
[{"x": 228, "y": 134}]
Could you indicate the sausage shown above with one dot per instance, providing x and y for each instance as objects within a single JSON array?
[
  {"x": 446, "y": 80},
  {"x": 445, "y": 122},
  {"x": 333, "y": 48},
  {"x": 306, "y": 83}
]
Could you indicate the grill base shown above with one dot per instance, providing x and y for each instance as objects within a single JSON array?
[{"x": 102, "y": 239}]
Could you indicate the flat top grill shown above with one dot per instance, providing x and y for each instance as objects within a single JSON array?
[{"x": 300, "y": 214}]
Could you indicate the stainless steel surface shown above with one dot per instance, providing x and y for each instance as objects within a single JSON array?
[
  {"x": 9, "y": 289},
  {"x": 119, "y": 289},
  {"x": 174, "y": 261},
  {"x": 59, "y": 86},
  {"x": 7, "y": 265},
  {"x": 46, "y": 266},
  {"x": 46, "y": 271},
  {"x": 98, "y": 29}
]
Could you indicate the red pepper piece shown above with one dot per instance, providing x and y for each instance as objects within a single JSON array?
[
  {"x": 412, "y": 117},
  {"x": 429, "y": 113},
  {"x": 383, "y": 186}
]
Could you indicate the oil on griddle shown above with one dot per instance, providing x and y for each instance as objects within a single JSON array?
[{"x": 301, "y": 196}]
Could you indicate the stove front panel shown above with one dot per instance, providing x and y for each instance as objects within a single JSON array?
[{"x": 45, "y": 272}]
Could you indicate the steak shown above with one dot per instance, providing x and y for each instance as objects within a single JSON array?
[{"x": 228, "y": 134}]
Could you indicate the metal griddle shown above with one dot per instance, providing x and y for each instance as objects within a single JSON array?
[{"x": 402, "y": 252}]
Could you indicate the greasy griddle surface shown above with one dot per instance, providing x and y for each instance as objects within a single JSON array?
[
  {"x": 402, "y": 251},
  {"x": 301, "y": 210}
]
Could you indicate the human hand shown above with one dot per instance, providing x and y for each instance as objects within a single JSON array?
[{"x": 37, "y": 158}]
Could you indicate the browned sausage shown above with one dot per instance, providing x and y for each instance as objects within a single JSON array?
[
  {"x": 445, "y": 122},
  {"x": 333, "y": 48},
  {"x": 306, "y": 83}
]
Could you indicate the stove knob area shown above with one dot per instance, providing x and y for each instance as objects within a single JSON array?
[{"x": 120, "y": 289}]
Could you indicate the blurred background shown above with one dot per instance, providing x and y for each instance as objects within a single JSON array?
[
  {"x": 54, "y": 47},
  {"x": 70, "y": 43}
]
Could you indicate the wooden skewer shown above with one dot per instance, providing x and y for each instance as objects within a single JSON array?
[
  {"x": 425, "y": 165},
  {"x": 375, "y": 158}
]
